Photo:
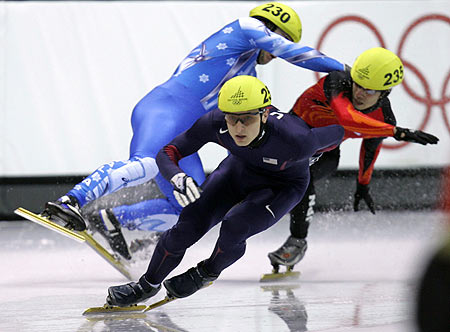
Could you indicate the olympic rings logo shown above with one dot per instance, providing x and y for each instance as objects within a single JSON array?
[{"x": 426, "y": 100}]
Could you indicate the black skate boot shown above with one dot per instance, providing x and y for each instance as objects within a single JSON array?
[
  {"x": 131, "y": 293},
  {"x": 189, "y": 282},
  {"x": 289, "y": 254},
  {"x": 67, "y": 211},
  {"x": 109, "y": 227}
]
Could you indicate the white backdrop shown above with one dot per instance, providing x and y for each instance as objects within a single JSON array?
[{"x": 71, "y": 73}]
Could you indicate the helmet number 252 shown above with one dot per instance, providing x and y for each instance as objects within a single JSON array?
[
  {"x": 277, "y": 12},
  {"x": 393, "y": 77}
]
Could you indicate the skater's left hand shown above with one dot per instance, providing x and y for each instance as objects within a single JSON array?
[
  {"x": 415, "y": 136},
  {"x": 362, "y": 192},
  {"x": 186, "y": 190}
]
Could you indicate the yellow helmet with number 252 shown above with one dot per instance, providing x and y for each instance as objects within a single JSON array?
[
  {"x": 282, "y": 16},
  {"x": 377, "y": 69},
  {"x": 243, "y": 94}
]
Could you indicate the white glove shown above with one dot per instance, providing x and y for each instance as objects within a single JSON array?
[{"x": 186, "y": 190}]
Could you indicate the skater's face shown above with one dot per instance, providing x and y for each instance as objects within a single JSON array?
[
  {"x": 265, "y": 57},
  {"x": 244, "y": 128},
  {"x": 364, "y": 98}
]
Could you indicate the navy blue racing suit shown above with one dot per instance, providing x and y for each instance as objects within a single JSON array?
[{"x": 249, "y": 192}]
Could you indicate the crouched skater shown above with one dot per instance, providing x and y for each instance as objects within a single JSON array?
[{"x": 262, "y": 179}]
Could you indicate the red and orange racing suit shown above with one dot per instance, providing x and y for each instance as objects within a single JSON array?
[{"x": 329, "y": 102}]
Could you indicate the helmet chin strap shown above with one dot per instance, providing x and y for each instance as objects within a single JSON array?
[{"x": 259, "y": 138}]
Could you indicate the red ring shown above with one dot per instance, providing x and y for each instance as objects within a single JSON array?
[
  {"x": 428, "y": 105},
  {"x": 349, "y": 18}
]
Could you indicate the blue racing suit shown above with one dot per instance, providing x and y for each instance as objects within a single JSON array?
[
  {"x": 253, "y": 188},
  {"x": 173, "y": 107}
]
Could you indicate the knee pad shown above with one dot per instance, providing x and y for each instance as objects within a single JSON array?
[{"x": 135, "y": 171}]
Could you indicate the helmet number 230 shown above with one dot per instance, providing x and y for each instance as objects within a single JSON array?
[
  {"x": 393, "y": 77},
  {"x": 277, "y": 12}
]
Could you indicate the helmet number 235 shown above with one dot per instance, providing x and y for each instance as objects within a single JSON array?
[{"x": 393, "y": 77}]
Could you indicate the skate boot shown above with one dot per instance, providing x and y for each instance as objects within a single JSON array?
[
  {"x": 109, "y": 227},
  {"x": 189, "y": 282},
  {"x": 131, "y": 293},
  {"x": 67, "y": 211},
  {"x": 289, "y": 254}
]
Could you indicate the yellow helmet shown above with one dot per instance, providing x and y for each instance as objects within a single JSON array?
[
  {"x": 282, "y": 16},
  {"x": 377, "y": 69},
  {"x": 242, "y": 94}
]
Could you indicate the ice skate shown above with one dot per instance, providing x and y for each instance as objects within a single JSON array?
[
  {"x": 131, "y": 293},
  {"x": 67, "y": 211},
  {"x": 290, "y": 253},
  {"x": 189, "y": 282},
  {"x": 109, "y": 227}
]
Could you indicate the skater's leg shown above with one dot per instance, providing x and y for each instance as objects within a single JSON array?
[
  {"x": 259, "y": 211},
  {"x": 294, "y": 248},
  {"x": 156, "y": 119},
  {"x": 302, "y": 214},
  {"x": 218, "y": 196}
]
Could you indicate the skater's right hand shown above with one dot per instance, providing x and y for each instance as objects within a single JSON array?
[{"x": 186, "y": 190}]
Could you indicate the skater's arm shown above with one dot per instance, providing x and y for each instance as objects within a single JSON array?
[
  {"x": 184, "y": 145},
  {"x": 299, "y": 55},
  {"x": 370, "y": 148},
  {"x": 355, "y": 121},
  {"x": 326, "y": 138}
]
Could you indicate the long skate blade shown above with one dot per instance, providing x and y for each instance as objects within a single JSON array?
[
  {"x": 158, "y": 304},
  {"x": 108, "y": 309},
  {"x": 98, "y": 248},
  {"x": 38, "y": 219},
  {"x": 167, "y": 299},
  {"x": 281, "y": 276}
]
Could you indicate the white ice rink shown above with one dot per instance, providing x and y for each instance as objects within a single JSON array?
[{"x": 359, "y": 275}]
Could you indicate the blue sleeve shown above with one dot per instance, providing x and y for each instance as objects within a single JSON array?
[
  {"x": 328, "y": 137},
  {"x": 302, "y": 56}
]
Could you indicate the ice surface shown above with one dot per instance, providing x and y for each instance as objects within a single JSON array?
[{"x": 359, "y": 275}]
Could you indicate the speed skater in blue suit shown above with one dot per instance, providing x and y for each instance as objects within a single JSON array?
[{"x": 271, "y": 30}]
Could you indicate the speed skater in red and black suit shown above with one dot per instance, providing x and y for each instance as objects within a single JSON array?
[{"x": 358, "y": 101}]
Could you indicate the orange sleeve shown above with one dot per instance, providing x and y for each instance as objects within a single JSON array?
[{"x": 353, "y": 120}]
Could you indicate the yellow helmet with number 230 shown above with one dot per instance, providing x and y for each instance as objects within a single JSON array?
[
  {"x": 243, "y": 94},
  {"x": 282, "y": 16},
  {"x": 377, "y": 69}
]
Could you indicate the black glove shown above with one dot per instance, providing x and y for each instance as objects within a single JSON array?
[
  {"x": 362, "y": 192},
  {"x": 415, "y": 136},
  {"x": 186, "y": 190}
]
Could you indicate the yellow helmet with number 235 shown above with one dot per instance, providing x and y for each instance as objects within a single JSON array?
[
  {"x": 283, "y": 16},
  {"x": 243, "y": 94},
  {"x": 377, "y": 69}
]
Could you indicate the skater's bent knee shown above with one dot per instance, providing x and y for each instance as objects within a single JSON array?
[{"x": 137, "y": 171}]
